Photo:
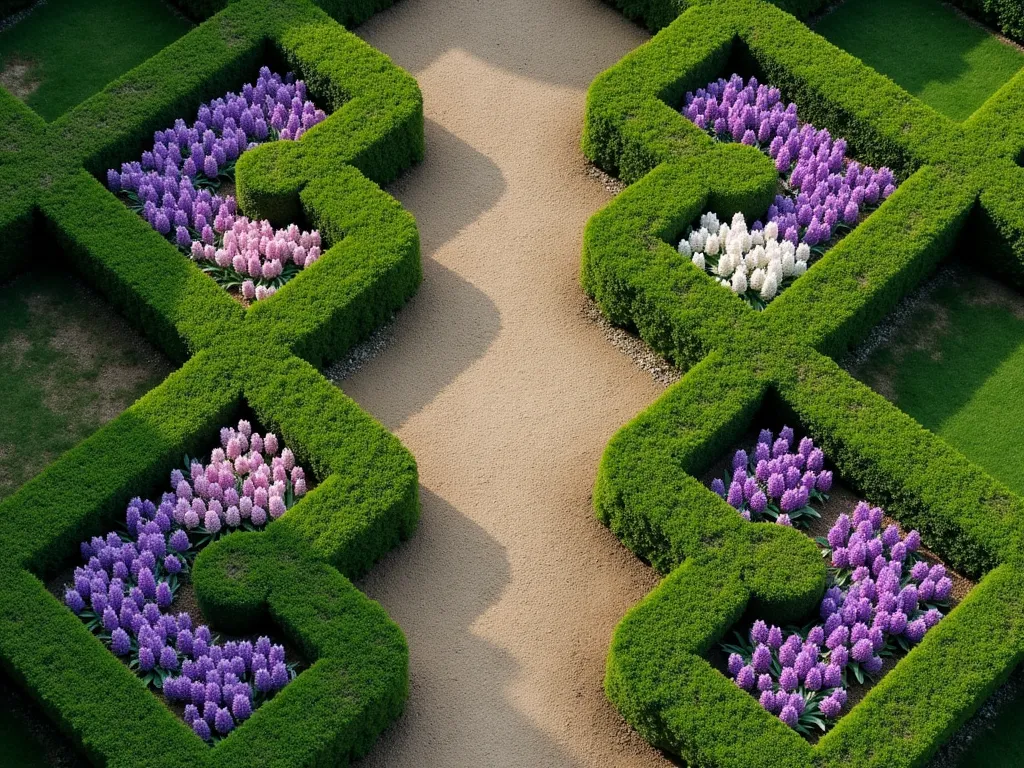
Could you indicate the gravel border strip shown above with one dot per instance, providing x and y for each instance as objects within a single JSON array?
[{"x": 362, "y": 353}]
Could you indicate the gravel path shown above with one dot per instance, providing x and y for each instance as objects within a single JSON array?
[{"x": 507, "y": 393}]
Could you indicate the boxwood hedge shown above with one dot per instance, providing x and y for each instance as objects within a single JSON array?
[
  {"x": 960, "y": 184},
  {"x": 257, "y": 361}
]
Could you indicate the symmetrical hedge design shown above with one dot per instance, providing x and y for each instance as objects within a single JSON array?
[
  {"x": 961, "y": 184},
  {"x": 236, "y": 362}
]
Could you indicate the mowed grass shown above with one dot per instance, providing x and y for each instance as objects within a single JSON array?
[
  {"x": 934, "y": 54},
  {"x": 1001, "y": 745},
  {"x": 67, "y": 50},
  {"x": 957, "y": 366},
  {"x": 68, "y": 364}
]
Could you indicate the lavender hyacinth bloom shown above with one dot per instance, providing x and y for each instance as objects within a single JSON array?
[
  {"x": 759, "y": 632},
  {"x": 279, "y": 675},
  {"x": 762, "y": 659},
  {"x": 201, "y": 729},
  {"x": 789, "y": 680},
  {"x": 223, "y": 721},
  {"x": 241, "y": 707},
  {"x": 120, "y": 643},
  {"x": 735, "y": 664},
  {"x": 74, "y": 601}
]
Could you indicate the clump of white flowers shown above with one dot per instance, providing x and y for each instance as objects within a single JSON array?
[{"x": 754, "y": 264}]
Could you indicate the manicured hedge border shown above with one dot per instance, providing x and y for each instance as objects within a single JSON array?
[
  {"x": 959, "y": 180},
  {"x": 257, "y": 362}
]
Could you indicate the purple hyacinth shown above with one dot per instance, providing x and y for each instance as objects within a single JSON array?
[
  {"x": 201, "y": 729},
  {"x": 762, "y": 659},
  {"x": 223, "y": 721},
  {"x": 120, "y": 643},
  {"x": 241, "y": 707}
]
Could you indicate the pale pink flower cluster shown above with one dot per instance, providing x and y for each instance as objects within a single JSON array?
[
  {"x": 255, "y": 250},
  {"x": 246, "y": 480}
]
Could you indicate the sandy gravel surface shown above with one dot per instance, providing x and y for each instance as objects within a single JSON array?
[{"x": 506, "y": 394}]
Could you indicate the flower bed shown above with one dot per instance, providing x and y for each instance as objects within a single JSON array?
[
  {"x": 775, "y": 482},
  {"x": 882, "y": 596},
  {"x": 175, "y": 186},
  {"x": 822, "y": 193},
  {"x": 127, "y": 588}
]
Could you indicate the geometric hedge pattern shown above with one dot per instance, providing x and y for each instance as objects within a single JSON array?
[
  {"x": 961, "y": 183},
  {"x": 236, "y": 362}
]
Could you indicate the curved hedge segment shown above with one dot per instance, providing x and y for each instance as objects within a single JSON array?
[
  {"x": 237, "y": 361},
  {"x": 958, "y": 180}
]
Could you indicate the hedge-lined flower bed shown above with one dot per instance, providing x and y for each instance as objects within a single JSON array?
[
  {"x": 126, "y": 590},
  {"x": 822, "y": 193},
  {"x": 175, "y": 185},
  {"x": 882, "y": 596}
]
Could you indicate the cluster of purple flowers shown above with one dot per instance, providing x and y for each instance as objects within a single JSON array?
[
  {"x": 883, "y": 598},
  {"x": 173, "y": 186},
  {"x": 256, "y": 254},
  {"x": 221, "y": 685},
  {"x": 825, "y": 192},
  {"x": 776, "y": 482},
  {"x": 125, "y": 591},
  {"x": 244, "y": 482}
]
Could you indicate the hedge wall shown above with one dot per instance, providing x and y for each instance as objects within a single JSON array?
[
  {"x": 256, "y": 361},
  {"x": 958, "y": 181}
]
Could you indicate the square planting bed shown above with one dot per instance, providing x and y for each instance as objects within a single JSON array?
[
  {"x": 885, "y": 590},
  {"x": 184, "y": 180},
  {"x": 133, "y": 591},
  {"x": 952, "y": 356},
  {"x": 822, "y": 193},
  {"x": 68, "y": 365},
  {"x": 948, "y": 60},
  {"x": 56, "y": 54}
]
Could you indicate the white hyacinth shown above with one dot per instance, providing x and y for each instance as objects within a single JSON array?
[
  {"x": 739, "y": 281},
  {"x": 749, "y": 263},
  {"x": 788, "y": 262},
  {"x": 757, "y": 279},
  {"x": 725, "y": 265}
]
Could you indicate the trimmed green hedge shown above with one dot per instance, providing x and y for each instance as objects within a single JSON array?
[
  {"x": 958, "y": 181},
  {"x": 258, "y": 361}
]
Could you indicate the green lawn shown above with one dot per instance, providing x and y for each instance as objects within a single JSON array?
[
  {"x": 67, "y": 365},
  {"x": 67, "y": 50},
  {"x": 957, "y": 366},
  {"x": 1001, "y": 746},
  {"x": 926, "y": 48}
]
